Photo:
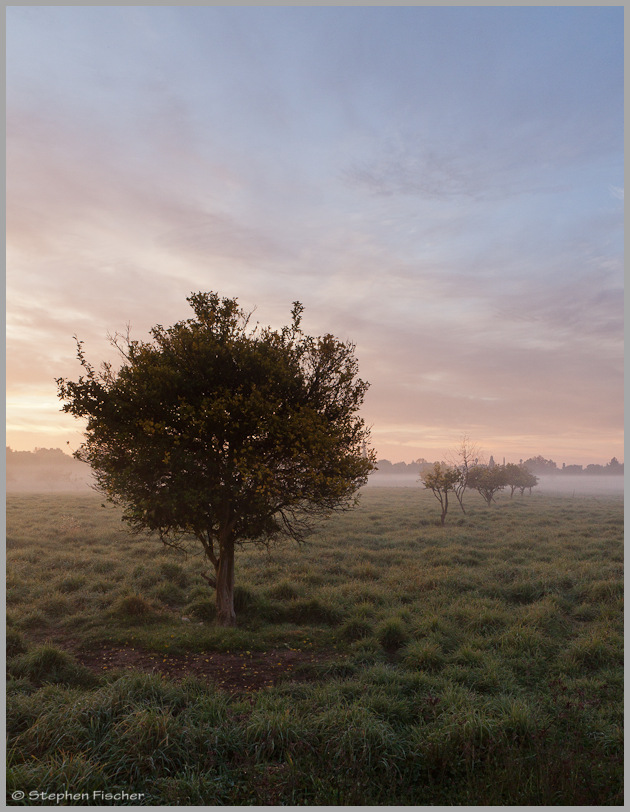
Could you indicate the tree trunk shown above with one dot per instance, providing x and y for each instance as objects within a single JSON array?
[{"x": 225, "y": 584}]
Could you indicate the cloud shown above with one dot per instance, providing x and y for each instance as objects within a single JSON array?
[{"x": 466, "y": 246}]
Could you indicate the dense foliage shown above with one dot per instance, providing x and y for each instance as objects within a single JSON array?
[{"x": 223, "y": 433}]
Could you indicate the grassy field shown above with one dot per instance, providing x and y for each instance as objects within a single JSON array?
[{"x": 388, "y": 662}]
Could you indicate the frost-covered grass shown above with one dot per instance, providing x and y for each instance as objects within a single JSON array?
[{"x": 478, "y": 663}]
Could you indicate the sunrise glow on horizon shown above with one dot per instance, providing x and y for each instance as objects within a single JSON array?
[{"x": 443, "y": 186}]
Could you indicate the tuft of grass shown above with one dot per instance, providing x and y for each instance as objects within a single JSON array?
[
  {"x": 174, "y": 573},
  {"x": 72, "y": 583},
  {"x": 15, "y": 643},
  {"x": 244, "y": 599},
  {"x": 392, "y": 634},
  {"x": 169, "y": 594},
  {"x": 423, "y": 655},
  {"x": 134, "y": 608},
  {"x": 312, "y": 611},
  {"x": 201, "y": 609},
  {"x": 47, "y": 664},
  {"x": 356, "y": 629},
  {"x": 285, "y": 590},
  {"x": 595, "y": 650}
]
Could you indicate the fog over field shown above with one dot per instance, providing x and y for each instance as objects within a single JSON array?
[
  {"x": 42, "y": 481},
  {"x": 79, "y": 480},
  {"x": 564, "y": 484}
]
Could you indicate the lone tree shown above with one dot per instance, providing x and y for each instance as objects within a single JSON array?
[
  {"x": 441, "y": 480},
  {"x": 225, "y": 434}
]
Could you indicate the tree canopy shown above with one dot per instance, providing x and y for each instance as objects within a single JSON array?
[
  {"x": 487, "y": 481},
  {"x": 224, "y": 433}
]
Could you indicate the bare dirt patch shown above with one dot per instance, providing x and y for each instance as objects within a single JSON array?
[{"x": 242, "y": 671}]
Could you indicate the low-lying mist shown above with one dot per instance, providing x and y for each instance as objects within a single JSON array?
[
  {"x": 564, "y": 484},
  {"x": 45, "y": 482}
]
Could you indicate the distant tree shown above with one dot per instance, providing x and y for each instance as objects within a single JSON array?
[
  {"x": 594, "y": 469},
  {"x": 464, "y": 457},
  {"x": 222, "y": 434},
  {"x": 614, "y": 466},
  {"x": 441, "y": 480},
  {"x": 528, "y": 481},
  {"x": 513, "y": 475},
  {"x": 487, "y": 481},
  {"x": 539, "y": 465},
  {"x": 518, "y": 477}
]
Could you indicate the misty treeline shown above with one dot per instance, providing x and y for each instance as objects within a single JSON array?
[
  {"x": 45, "y": 469},
  {"x": 537, "y": 465},
  {"x": 53, "y": 465}
]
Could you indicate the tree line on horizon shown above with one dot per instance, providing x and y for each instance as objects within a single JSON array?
[
  {"x": 57, "y": 458},
  {"x": 537, "y": 465}
]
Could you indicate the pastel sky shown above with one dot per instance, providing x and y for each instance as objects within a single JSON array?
[{"x": 441, "y": 185}]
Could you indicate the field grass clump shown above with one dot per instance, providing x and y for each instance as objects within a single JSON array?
[
  {"x": 392, "y": 634},
  {"x": 596, "y": 649},
  {"x": 134, "y": 608},
  {"x": 480, "y": 663},
  {"x": 14, "y": 642},
  {"x": 170, "y": 594},
  {"x": 356, "y": 629},
  {"x": 311, "y": 610},
  {"x": 47, "y": 664},
  {"x": 202, "y": 609},
  {"x": 285, "y": 590}
]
